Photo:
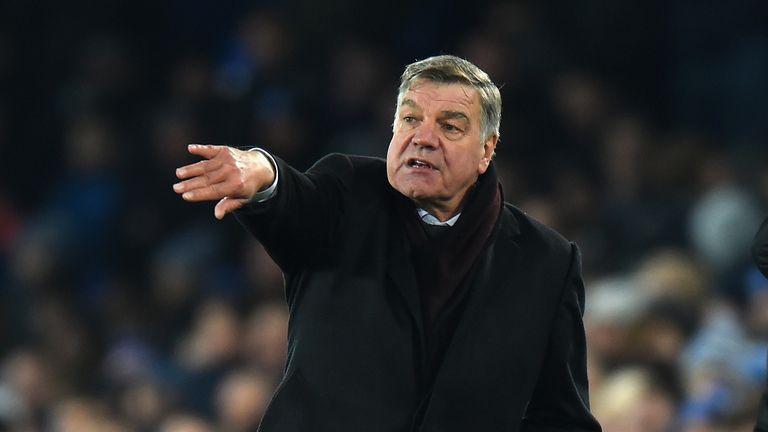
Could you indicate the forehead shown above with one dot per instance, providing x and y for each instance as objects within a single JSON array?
[{"x": 427, "y": 95}]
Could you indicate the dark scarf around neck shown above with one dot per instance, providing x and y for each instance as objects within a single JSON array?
[{"x": 443, "y": 262}]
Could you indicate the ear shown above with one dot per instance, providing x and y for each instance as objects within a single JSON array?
[{"x": 488, "y": 148}]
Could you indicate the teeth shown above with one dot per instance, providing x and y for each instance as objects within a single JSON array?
[{"x": 418, "y": 163}]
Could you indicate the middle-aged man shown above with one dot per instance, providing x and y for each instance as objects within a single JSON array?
[{"x": 419, "y": 300}]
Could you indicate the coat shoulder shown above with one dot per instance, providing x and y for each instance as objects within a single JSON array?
[
  {"x": 533, "y": 234},
  {"x": 354, "y": 171}
]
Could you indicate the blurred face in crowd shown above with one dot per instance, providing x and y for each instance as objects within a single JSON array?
[
  {"x": 437, "y": 151},
  {"x": 184, "y": 423},
  {"x": 241, "y": 401}
]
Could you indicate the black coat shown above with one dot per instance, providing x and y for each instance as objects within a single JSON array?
[
  {"x": 356, "y": 356},
  {"x": 760, "y": 255}
]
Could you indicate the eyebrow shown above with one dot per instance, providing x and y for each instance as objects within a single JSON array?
[
  {"x": 454, "y": 115},
  {"x": 444, "y": 115},
  {"x": 410, "y": 103}
]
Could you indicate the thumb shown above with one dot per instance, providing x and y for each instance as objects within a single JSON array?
[{"x": 227, "y": 205}]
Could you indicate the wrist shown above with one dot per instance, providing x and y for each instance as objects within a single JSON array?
[{"x": 267, "y": 174}]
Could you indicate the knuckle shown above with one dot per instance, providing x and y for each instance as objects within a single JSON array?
[{"x": 233, "y": 174}]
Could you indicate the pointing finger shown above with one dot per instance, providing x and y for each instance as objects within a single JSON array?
[
  {"x": 206, "y": 151},
  {"x": 199, "y": 182}
]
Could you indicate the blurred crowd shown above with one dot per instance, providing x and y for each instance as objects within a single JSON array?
[{"x": 637, "y": 130}]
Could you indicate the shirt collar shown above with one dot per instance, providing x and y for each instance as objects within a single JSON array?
[{"x": 431, "y": 220}]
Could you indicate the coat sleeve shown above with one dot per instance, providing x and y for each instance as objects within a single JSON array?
[
  {"x": 560, "y": 401},
  {"x": 760, "y": 248},
  {"x": 298, "y": 224}
]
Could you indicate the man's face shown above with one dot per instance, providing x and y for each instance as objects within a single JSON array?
[{"x": 436, "y": 153}]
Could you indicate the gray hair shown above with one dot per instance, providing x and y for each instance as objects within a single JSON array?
[{"x": 448, "y": 69}]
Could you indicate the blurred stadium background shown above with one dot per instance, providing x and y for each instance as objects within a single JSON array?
[{"x": 637, "y": 129}]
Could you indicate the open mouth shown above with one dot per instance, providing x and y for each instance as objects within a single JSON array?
[{"x": 419, "y": 163}]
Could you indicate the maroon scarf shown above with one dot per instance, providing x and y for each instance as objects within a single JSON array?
[{"x": 443, "y": 261}]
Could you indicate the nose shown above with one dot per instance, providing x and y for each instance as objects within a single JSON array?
[{"x": 425, "y": 135}]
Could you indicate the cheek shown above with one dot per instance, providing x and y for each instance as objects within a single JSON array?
[
  {"x": 393, "y": 144},
  {"x": 393, "y": 152},
  {"x": 463, "y": 166},
  {"x": 396, "y": 147}
]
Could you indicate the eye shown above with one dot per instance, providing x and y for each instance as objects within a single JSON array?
[
  {"x": 451, "y": 128},
  {"x": 409, "y": 119}
]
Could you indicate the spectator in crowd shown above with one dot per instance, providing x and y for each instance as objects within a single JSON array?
[{"x": 184, "y": 423}]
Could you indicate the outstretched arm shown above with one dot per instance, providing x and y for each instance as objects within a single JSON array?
[{"x": 297, "y": 224}]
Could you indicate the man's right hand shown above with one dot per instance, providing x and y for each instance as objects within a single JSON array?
[{"x": 228, "y": 175}]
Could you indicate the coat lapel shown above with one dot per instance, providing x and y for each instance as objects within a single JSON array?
[{"x": 401, "y": 273}]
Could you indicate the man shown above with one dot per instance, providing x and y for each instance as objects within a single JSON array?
[
  {"x": 760, "y": 256},
  {"x": 419, "y": 300}
]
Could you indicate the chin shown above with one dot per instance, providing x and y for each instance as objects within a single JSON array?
[
  {"x": 408, "y": 189},
  {"x": 419, "y": 195}
]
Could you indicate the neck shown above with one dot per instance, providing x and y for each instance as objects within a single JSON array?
[
  {"x": 447, "y": 209},
  {"x": 441, "y": 216}
]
